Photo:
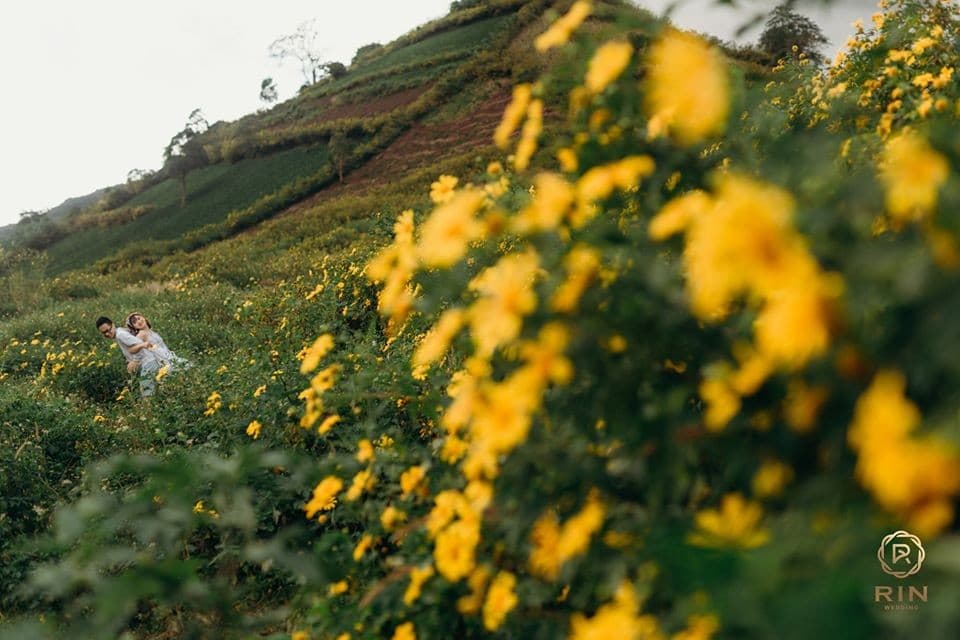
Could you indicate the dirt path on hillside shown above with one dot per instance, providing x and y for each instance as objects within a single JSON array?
[{"x": 421, "y": 145}]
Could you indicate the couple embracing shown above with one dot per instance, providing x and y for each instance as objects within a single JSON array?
[{"x": 145, "y": 351}]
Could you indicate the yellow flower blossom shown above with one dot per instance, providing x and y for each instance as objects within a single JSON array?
[
  {"x": 513, "y": 114},
  {"x": 455, "y": 549},
  {"x": 553, "y": 198},
  {"x": 529, "y": 135},
  {"x": 364, "y": 451},
  {"x": 567, "y": 158},
  {"x": 338, "y": 588},
  {"x": 607, "y": 64},
  {"x": 443, "y": 189},
  {"x": 477, "y": 581},
  {"x": 435, "y": 344},
  {"x": 734, "y": 524},
  {"x": 253, "y": 429},
  {"x": 418, "y": 576},
  {"x": 699, "y": 627},
  {"x": 771, "y": 478},
  {"x": 405, "y": 631},
  {"x": 324, "y": 496},
  {"x": 560, "y": 31},
  {"x": 411, "y": 479},
  {"x": 506, "y": 296},
  {"x": 362, "y": 547},
  {"x": 320, "y": 347},
  {"x": 448, "y": 232},
  {"x": 616, "y": 619},
  {"x": 363, "y": 481},
  {"x": 912, "y": 173},
  {"x": 501, "y": 599},
  {"x": 677, "y": 215},
  {"x": 391, "y": 517},
  {"x": 328, "y": 423},
  {"x": 687, "y": 86}
]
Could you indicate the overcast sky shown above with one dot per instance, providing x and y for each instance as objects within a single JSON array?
[{"x": 95, "y": 89}]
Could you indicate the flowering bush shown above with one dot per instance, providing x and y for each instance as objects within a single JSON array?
[{"x": 670, "y": 368}]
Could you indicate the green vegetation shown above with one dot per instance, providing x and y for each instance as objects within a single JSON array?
[
  {"x": 657, "y": 383},
  {"x": 213, "y": 192}
]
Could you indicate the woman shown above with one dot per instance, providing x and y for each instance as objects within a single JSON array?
[{"x": 139, "y": 326}]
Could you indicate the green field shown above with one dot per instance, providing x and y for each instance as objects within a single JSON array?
[{"x": 212, "y": 193}]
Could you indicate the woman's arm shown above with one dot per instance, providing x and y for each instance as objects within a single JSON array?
[{"x": 137, "y": 348}]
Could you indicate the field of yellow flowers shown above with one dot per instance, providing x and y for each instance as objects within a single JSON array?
[{"x": 671, "y": 368}]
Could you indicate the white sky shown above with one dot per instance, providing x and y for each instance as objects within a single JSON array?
[{"x": 94, "y": 89}]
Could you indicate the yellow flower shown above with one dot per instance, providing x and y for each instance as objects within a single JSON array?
[
  {"x": 771, "y": 478},
  {"x": 320, "y": 347},
  {"x": 253, "y": 429},
  {"x": 455, "y": 548},
  {"x": 495, "y": 168},
  {"x": 364, "y": 451},
  {"x": 912, "y": 173},
  {"x": 699, "y": 627},
  {"x": 507, "y": 295},
  {"x": 259, "y": 391},
  {"x": 560, "y": 31},
  {"x": 435, "y": 344},
  {"x": 163, "y": 371},
  {"x": 529, "y": 135},
  {"x": 617, "y": 619},
  {"x": 338, "y": 588},
  {"x": 722, "y": 403},
  {"x": 553, "y": 198},
  {"x": 362, "y": 546},
  {"x": 883, "y": 414},
  {"x": 607, "y": 64},
  {"x": 328, "y": 423},
  {"x": 391, "y": 517},
  {"x": 501, "y": 599},
  {"x": 363, "y": 481},
  {"x": 582, "y": 264},
  {"x": 418, "y": 576},
  {"x": 443, "y": 189},
  {"x": 300, "y": 635},
  {"x": 405, "y": 631},
  {"x": 412, "y": 477},
  {"x": 734, "y": 524},
  {"x": 470, "y": 604},
  {"x": 687, "y": 86},
  {"x": 677, "y": 215},
  {"x": 567, "y": 158},
  {"x": 450, "y": 229},
  {"x": 513, "y": 114},
  {"x": 324, "y": 496},
  {"x": 576, "y": 532},
  {"x": 793, "y": 326},
  {"x": 545, "y": 538}
]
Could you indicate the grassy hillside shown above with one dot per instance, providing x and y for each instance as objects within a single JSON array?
[
  {"x": 652, "y": 386},
  {"x": 212, "y": 192}
]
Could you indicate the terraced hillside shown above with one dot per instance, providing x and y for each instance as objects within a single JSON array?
[{"x": 390, "y": 109}]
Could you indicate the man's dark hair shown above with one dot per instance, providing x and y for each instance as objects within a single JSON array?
[{"x": 102, "y": 320}]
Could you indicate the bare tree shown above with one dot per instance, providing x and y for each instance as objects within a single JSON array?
[
  {"x": 184, "y": 153},
  {"x": 304, "y": 46}
]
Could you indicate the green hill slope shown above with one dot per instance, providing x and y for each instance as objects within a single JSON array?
[{"x": 265, "y": 162}]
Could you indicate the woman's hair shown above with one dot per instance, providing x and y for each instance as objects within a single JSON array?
[{"x": 130, "y": 321}]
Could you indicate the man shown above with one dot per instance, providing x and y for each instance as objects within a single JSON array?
[{"x": 137, "y": 353}]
